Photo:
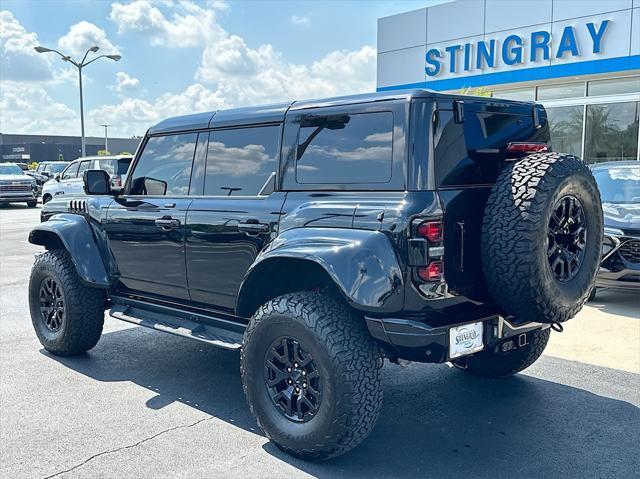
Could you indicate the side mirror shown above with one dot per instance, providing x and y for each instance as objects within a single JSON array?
[
  {"x": 57, "y": 177},
  {"x": 96, "y": 182}
]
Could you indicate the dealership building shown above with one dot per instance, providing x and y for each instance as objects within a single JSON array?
[
  {"x": 579, "y": 58},
  {"x": 30, "y": 148}
]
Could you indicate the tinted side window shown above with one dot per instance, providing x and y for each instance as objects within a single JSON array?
[
  {"x": 122, "y": 166},
  {"x": 345, "y": 149},
  {"x": 240, "y": 161},
  {"x": 164, "y": 168},
  {"x": 71, "y": 172}
]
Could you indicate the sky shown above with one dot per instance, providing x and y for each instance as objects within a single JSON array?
[{"x": 179, "y": 57}]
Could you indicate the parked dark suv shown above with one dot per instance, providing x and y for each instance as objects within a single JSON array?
[
  {"x": 320, "y": 237},
  {"x": 619, "y": 183}
]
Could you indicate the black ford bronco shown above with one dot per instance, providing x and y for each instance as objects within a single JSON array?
[{"x": 320, "y": 237}]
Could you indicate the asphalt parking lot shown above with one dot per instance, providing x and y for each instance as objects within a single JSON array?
[{"x": 144, "y": 404}]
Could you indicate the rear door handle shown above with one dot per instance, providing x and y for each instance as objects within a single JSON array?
[
  {"x": 168, "y": 223},
  {"x": 252, "y": 227}
]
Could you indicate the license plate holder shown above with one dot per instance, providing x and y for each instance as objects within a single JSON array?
[{"x": 466, "y": 339}]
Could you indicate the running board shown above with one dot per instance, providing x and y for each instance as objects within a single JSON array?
[{"x": 153, "y": 316}]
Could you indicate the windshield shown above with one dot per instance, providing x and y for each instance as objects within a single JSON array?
[
  {"x": 10, "y": 170},
  {"x": 619, "y": 184}
]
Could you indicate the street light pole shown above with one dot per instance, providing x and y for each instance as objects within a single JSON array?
[
  {"x": 82, "y": 140},
  {"x": 106, "y": 140},
  {"x": 79, "y": 66}
]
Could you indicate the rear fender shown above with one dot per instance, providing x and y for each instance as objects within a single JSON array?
[
  {"x": 74, "y": 233},
  {"x": 362, "y": 264}
]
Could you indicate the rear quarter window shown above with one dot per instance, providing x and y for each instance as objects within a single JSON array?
[{"x": 345, "y": 149}]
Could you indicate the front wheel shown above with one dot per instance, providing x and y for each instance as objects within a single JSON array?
[
  {"x": 499, "y": 364},
  {"x": 310, "y": 372},
  {"x": 66, "y": 315}
]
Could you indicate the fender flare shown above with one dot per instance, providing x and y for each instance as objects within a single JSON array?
[
  {"x": 74, "y": 233},
  {"x": 361, "y": 263}
]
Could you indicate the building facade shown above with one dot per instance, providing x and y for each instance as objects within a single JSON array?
[
  {"x": 579, "y": 58},
  {"x": 30, "y": 148}
]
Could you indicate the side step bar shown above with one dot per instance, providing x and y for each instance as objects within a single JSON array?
[{"x": 227, "y": 335}]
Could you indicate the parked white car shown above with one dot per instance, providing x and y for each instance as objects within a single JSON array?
[{"x": 69, "y": 182}]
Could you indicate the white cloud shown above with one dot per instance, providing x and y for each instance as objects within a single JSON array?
[
  {"x": 188, "y": 25},
  {"x": 132, "y": 116},
  {"x": 124, "y": 82},
  {"x": 300, "y": 20},
  {"x": 247, "y": 75},
  {"x": 18, "y": 60},
  {"x": 231, "y": 72},
  {"x": 28, "y": 108},
  {"x": 82, "y": 36}
]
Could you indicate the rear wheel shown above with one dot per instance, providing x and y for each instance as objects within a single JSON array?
[
  {"x": 310, "y": 372},
  {"x": 542, "y": 237},
  {"x": 499, "y": 364},
  {"x": 66, "y": 315}
]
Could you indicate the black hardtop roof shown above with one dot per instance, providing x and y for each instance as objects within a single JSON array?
[{"x": 275, "y": 113}]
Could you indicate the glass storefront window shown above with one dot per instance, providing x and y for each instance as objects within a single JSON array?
[
  {"x": 614, "y": 86},
  {"x": 565, "y": 127},
  {"x": 561, "y": 92},
  {"x": 612, "y": 132},
  {"x": 520, "y": 94}
]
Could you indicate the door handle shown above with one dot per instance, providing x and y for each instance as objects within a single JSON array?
[
  {"x": 253, "y": 227},
  {"x": 168, "y": 223}
]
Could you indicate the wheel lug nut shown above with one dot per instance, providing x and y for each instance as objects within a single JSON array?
[
  {"x": 304, "y": 373},
  {"x": 288, "y": 370},
  {"x": 289, "y": 381},
  {"x": 297, "y": 389},
  {"x": 295, "y": 365}
]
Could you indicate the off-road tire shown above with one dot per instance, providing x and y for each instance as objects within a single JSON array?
[
  {"x": 592, "y": 294},
  {"x": 497, "y": 364},
  {"x": 348, "y": 361},
  {"x": 514, "y": 237},
  {"x": 83, "y": 306},
  {"x": 32, "y": 204}
]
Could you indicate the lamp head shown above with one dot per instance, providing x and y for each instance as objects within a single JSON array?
[
  {"x": 94, "y": 49},
  {"x": 40, "y": 49},
  {"x": 115, "y": 58}
]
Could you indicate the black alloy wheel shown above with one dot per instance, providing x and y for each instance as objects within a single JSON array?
[
  {"x": 567, "y": 238},
  {"x": 51, "y": 304},
  {"x": 292, "y": 380}
]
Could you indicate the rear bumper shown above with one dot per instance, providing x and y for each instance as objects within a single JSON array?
[{"x": 416, "y": 341}]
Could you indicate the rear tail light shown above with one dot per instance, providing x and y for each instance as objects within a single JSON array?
[
  {"x": 432, "y": 230},
  {"x": 430, "y": 264},
  {"x": 432, "y": 272},
  {"x": 519, "y": 149}
]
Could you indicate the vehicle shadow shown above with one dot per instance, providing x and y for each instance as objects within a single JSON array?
[
  {"x": 16, "y": 206},
  {"x": 436, "y": 421},
  {"x": 617, "y": 302}
]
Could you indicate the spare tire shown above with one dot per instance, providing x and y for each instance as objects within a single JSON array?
[{"x": 542, "y": 237}]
